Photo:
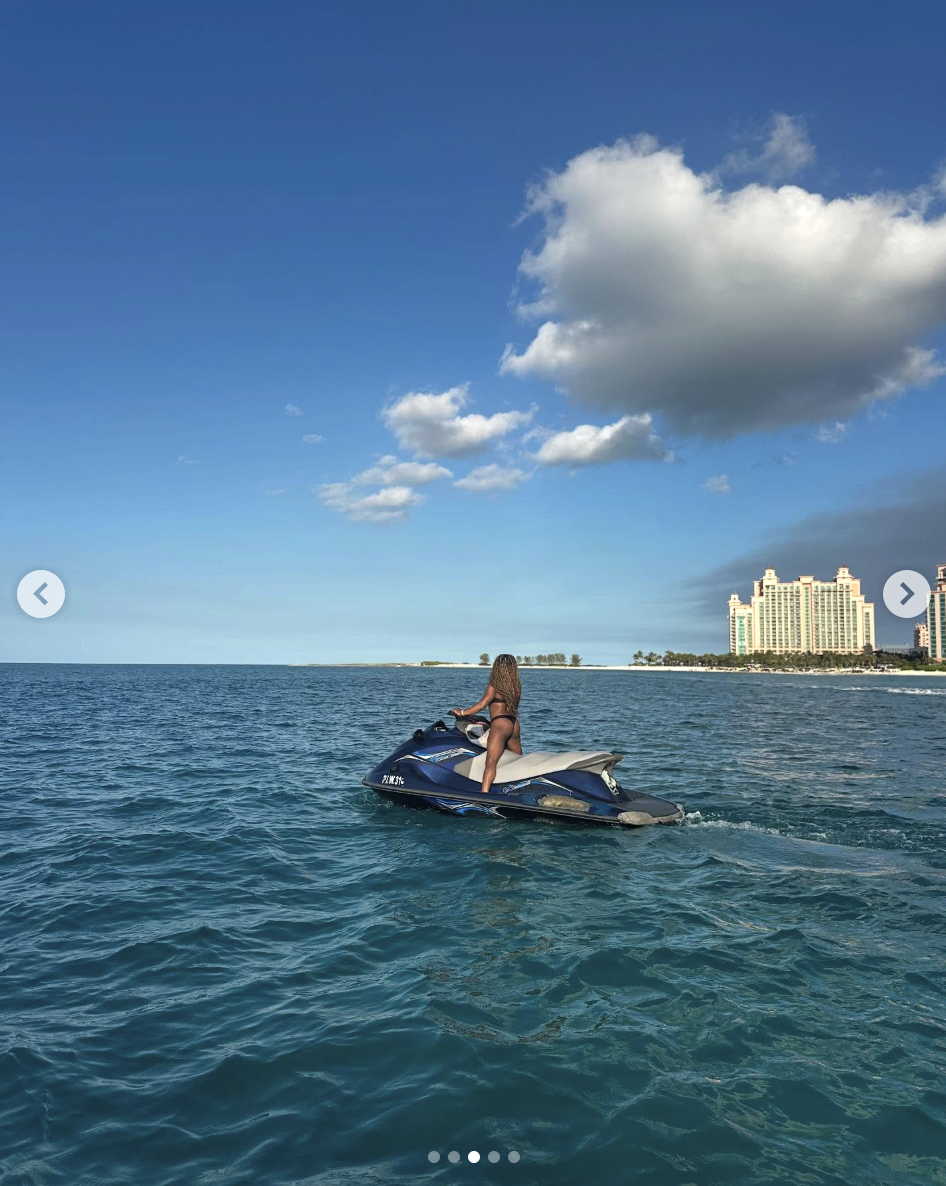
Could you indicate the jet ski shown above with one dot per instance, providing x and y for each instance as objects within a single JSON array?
[{"x": 442, "y": 767}]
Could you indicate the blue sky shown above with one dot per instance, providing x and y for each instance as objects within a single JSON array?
[{"x": 213, "y": 213}]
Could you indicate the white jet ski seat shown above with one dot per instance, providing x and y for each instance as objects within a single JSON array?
[{"x": 514, "y": 767}]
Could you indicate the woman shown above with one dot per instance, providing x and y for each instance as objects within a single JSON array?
[{"x": 502, "y": 695}]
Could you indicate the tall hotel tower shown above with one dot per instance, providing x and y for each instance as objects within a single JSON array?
[
  {"x": 936, "y": 617},
  {"x": 791, "y": 617}
]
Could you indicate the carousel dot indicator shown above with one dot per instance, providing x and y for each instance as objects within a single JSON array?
[
  {"x": 473, "y": 1156},
  {"x": 453, "y": 1156},
  {"x": 433, "y": 1157},
  {"x": 492, "y": 1156},
  {"x": 513, "y": 1156}
]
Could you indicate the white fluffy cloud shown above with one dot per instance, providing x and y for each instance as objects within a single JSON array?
[
  {"x": 425, "y": 423},
  {"x": 727, "y": 312},
  {"x": 431, "y": 425},
  {"x": 391, "y": 472},
  {"x": 393, "y": 502},
  {"x": 786, "y": 150},
  {"x": 631, "y": 438},
  {"x": 312, "y": 438},
  {"x": 832, "y": 434},
  {"x": 718, "y": 484},
  {"x": 293, "y": 410},
  {"x": 492, "y": 477}
]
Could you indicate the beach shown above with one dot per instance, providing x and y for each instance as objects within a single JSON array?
[{"x": 635, "y": 668}]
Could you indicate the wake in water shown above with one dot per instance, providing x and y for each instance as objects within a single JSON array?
[
  {"x": 894, "y": 691},
  {"x": 696, "y": 819}
]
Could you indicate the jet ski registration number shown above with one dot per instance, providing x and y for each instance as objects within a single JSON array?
[{"x": 393, "y": 780}]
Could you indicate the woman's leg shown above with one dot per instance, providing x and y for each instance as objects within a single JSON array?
[
  {"x": 515, "y": 742},
  {"x": 499, "y": 733}
]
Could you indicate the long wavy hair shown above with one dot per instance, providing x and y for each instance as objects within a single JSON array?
[{"x": 505, "y": 680}]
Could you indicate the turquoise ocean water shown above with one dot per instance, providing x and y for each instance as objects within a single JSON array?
[{"x": 223, "y": 961}]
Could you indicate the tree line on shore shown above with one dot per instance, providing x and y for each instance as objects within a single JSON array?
[
  {"x": 555, "y": 659},
  {"x": 759, "y": 660},
  {"x": 771, "y": 660}
]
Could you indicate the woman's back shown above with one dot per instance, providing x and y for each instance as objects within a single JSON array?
[
  {"x": 502, "y": 698},
  {"x": 506, "y": 688}
]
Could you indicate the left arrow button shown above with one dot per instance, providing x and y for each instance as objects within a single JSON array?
[{"x": 41, "y": 593}]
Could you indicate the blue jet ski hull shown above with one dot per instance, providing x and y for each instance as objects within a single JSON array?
[{"x": 421, "y": 773}]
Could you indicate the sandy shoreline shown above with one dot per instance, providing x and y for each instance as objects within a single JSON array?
[{"x": 618, "y": 667}]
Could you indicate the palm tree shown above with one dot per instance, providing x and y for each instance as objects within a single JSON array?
[
  {"x": 638, "y": 656},
  {"x": 484, "y": 660},
  {"x": 576, "y": 660}
]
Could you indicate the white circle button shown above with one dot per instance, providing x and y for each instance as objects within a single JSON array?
[
  {"x": 41, "y": 593},
  {"x": 907, "y": 593}
]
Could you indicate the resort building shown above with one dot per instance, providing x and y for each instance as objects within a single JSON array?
[
  {"x": 805, "y": 615},
  {"x": 921, "y": 637},
  {"x": 936, "y": 617}
]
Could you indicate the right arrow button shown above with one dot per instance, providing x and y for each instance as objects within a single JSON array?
[{"x": 907, "y": 593}]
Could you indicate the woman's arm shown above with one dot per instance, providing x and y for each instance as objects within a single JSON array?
[{"x": 489, "y": 696}]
